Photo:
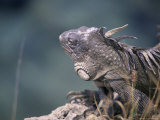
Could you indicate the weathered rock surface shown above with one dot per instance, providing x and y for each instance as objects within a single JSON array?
[{"x": 70, "y": 111}]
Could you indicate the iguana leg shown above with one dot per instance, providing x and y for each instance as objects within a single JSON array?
[
  {"x": 91, "y": 95},
  {"x": 109, "y": 98},
  {"x": 104, "y": 92},
  {"x": 104, "y": 100}
]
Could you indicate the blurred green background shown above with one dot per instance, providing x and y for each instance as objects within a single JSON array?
[{"x": 46, "y": 73}]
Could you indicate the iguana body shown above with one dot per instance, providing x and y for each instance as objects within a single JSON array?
[{"x": 114, "y": 67}]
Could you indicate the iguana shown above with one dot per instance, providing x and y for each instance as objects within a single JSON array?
[{"x": 115, "y": 67}]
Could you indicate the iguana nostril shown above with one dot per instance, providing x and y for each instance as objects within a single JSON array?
[{"x": 83, "y": 74}]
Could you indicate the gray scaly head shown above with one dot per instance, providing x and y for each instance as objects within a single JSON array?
[{"x": 87, "y": 47}]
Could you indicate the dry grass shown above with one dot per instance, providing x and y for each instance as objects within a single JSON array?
[
  {"x": 129, "y": 109},
  {"x": 17, "y": 80}
]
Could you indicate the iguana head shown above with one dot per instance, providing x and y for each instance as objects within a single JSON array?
[
  {"x": 88, "y": 49},
  {"x": 83, "y": 46}
]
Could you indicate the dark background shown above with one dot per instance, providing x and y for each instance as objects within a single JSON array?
[{"x": 46, "y": 73}]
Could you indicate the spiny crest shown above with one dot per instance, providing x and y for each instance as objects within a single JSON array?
[
  {"x": 149, "y": 58},
  {"x": 114, "y": 41},
  {"x": 113, "y": 31}
]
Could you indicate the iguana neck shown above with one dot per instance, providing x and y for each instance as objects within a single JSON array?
[{"x": 114, "y": 64}]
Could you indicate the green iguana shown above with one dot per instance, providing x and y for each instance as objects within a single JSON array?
[{"x": 116, "y": 68}]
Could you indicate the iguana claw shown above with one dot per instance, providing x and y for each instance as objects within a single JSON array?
[
  {"x": 73, "y": 93},
  {"x": 77, "y": 97},
  {"x": 86, "y": 95}
]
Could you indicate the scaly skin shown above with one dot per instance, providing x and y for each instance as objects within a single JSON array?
[{"x": 113, "y": 66}]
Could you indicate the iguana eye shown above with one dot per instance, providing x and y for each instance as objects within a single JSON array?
[{"x": 72, "y": 42}]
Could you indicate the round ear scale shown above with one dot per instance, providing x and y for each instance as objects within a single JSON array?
[{"x": 113, "y": 31}]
